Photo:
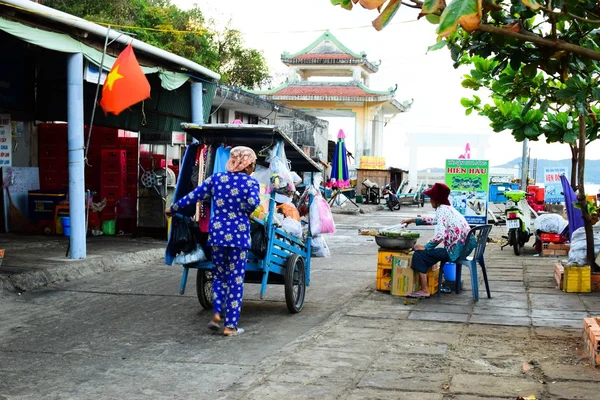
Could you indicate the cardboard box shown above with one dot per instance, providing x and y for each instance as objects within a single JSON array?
[{"x": 404, "y": 279}]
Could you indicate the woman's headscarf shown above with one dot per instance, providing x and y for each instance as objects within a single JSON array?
[{"x": 240, "y": 158}]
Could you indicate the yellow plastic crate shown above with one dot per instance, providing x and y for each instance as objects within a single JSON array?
[
  {"x": 577, "y": 279},
  {"x": 384, "y": 257},
  {"x": 384, "y": 277},
  {"x": 433, "y": 280}
]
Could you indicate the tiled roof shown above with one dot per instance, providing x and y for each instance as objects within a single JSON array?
[
  {"x": 325, "y": 57},
  {"x": 338, "y": 91}
]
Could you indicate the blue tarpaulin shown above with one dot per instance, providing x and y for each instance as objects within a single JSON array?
[{"x": 573, "y": 214}]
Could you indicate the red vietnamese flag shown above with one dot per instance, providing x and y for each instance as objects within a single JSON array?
[{"x": 125, "y": 84}]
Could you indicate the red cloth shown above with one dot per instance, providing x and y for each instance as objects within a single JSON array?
[{"x": 125, "y": 84}]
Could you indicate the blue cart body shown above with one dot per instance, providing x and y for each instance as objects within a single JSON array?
[{"x": 288, "y": 259}]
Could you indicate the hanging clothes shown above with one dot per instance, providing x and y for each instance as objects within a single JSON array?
[{"x": 221, "y": 158}]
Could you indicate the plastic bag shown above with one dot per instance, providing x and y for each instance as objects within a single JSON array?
[
  {"x": 194, "y": 256},
  {"x": 258, "y": 236},
  {"x": 281, "y": 176},
  {"x": 182, "y": 239},
  {"x": 578, "y": 251},
  {"x": 550, "y": 223},
  {"x": 292, "y": 226},
  {"x": 319, "y": 247},
  {"x": 321, "y": 219}
]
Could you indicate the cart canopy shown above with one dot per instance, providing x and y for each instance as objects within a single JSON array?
[{"x": 257, "y": 137}]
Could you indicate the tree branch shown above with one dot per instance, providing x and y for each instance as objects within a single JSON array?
[
  {"x": 540, "y": 41},
  {"x": 577, "y": 17},
  {"x": 418, "y": 7}
]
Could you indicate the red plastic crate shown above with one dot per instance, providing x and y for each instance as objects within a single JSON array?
[
  {"x": 112, "y": 193},
  {"x": 553, "y": 238},
  {"x": 113, "y": 180}
]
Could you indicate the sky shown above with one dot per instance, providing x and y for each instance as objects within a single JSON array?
[{"x": 275, "y": 26}]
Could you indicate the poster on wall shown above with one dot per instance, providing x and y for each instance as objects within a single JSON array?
[
  {"x": 5, "y": 141},
  {"x": 552, "y": 185},
  {"x": 468, "y": 181}
]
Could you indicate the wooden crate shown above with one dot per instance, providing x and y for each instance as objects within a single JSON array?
[{"x": 379, "y": 176}]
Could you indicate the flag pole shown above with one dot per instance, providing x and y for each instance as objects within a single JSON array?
[{"x": 87, "y": 145}]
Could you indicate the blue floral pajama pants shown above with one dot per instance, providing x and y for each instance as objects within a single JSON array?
[{"x": 229, "y": 268}]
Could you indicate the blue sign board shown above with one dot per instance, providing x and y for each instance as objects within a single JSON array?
[{"x": 552, "y": 186}]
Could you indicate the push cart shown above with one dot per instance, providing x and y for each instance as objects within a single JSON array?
[{"x": 287, "y": 258}]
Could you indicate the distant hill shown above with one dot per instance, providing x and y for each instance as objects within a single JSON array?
[{"x": 592, "y": 168}]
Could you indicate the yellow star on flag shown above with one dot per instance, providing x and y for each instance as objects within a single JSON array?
[{"x": 112, "y": 77}]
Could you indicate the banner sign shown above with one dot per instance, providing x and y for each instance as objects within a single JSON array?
[
  {"x": 552, "y": 185},
  {"x": 468, "y": 181}
]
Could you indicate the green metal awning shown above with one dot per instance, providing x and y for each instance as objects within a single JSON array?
[{"x": 170, "y": 80}]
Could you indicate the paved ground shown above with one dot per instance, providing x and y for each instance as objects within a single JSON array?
[{"x": 127, "y": 334}]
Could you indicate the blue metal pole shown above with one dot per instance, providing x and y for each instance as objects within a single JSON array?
[{"x": 76, "y": 163}]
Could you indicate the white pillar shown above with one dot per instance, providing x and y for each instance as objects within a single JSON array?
[
  {"x": 292, "y": 74},
  {"x": 75, "y": 148},
  {"x": 378, "y": 134},
  {"x": 413, "y": 157},
  {"x": 356, "y": 74}
]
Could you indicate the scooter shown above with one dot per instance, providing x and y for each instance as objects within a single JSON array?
[
  {"x": 390, "y": 197},
  {"x": 518, "y": 220}
]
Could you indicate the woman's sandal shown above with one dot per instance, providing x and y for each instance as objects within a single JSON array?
[
  {"x": 214, "y": 326},
  {"x": 417, "y": 295},
  {"x": 238, "y": 331}
]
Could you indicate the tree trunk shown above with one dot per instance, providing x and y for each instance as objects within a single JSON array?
[
  {"x": 574, "y": 156},
  {"x": 581, "y": 197}
]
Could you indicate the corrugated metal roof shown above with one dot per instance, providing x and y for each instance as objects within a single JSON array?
[{"x": 257, "y": 137}]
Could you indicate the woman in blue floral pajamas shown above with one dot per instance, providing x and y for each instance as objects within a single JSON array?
[{"x": 235, "y": 196}]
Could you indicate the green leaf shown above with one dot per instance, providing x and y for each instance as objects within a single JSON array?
[
  {"x": 433, "y": 19},
  {"x": 533, "y": 4},
  {"x": 529, "y": 70},
  {"x": 468, "y": 111},
  {"x": 466, "y": 102},
  {"x": 566, "y": 93},
  {"x": 467, "y": 13},
  {"x": 387, "y": 14},
  {"x": 431, "y": 6},
  {"x": 345, "y": 4},
  {"x": 469, "y": 83},
  {"x": 528, "y": 106},
  {"x": 440, "y": 44},
  {"x": 596, "y": 93}
]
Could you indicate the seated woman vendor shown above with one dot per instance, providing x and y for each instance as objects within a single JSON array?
[{"x": 451, "y": 228}]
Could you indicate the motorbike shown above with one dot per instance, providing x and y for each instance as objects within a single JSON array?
[
  {"x": 518, "y": 220},
  {"x": 390, "y": 197}
]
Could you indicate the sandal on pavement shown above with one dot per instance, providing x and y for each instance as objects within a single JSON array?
[
  {"x": 417, "y": 295},
  {"x": 214, "y": 326},
  {"x": 238, "y": 331}
]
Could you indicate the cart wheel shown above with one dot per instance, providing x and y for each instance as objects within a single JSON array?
[
  {"x": 422, "y": 201},
  {"x": 204, "y": 288},
  {"x": 295, "y": 283}
]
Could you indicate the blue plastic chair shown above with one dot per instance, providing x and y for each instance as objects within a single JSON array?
[{"x": 481, "y": 234}]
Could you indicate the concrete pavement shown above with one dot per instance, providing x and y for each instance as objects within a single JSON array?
[{"x": 127, "y": 334}]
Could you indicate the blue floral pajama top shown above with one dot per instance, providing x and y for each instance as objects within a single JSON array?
[
  {"x": 235, "y": 196},
  {"x": 452, "y": 228}
]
